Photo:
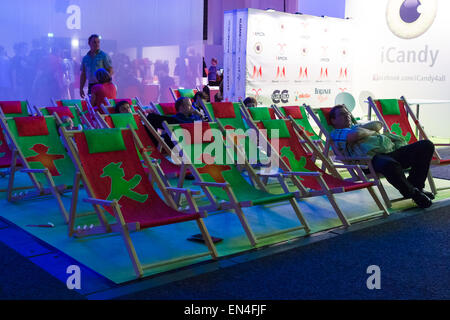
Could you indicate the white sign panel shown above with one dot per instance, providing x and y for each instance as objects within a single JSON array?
[
  {"x": 402, "y": 49},
  {"x": 294, "y": 59}
]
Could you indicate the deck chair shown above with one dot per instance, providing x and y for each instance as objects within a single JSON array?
[
  {"x": 299, "y": 115},
  {"x": 122, "y": 120},
  {"x": 5, "y": 156},
  {"x": 81, "y": 103},
  {"x": 109, "y": 105},
  {"x": 394, "y": 115},
  {"x": 14, "y": 108},
  {"x": 258, "y": 113},
  {"x": 181, "y": 92},
  {"x": 230, "y": 116},
  {"x": 110, "y": 169},
  {"x": 164, "y": 109},
  {"x": 36, "y": 144},
  {"x": 74, "y": 112},
  {"x": 84, "y": 109},
  {"x": 221, "y": 181},
  {"x": 9, "y": 109},
  {"x": 295, "y": 160},
  {"x": 364, "y": 162}
]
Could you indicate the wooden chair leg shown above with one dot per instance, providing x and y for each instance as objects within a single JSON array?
[
  {"x": 128, "y": 243},
  {"x": 338, "y": 210},
  {"x": 244, "y": 222},
  {"x": 378, "y": 202},
  {"x": 299, "y": 214},
  {"x": 208, "y": 241}
]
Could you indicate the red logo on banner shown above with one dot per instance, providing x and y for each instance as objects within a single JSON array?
[
  {"x": 282, "y": 45},
  {"x": 257, "y": 92},
  {"x": 323, "y": 73},
  {"x": 322, "y": 98},
  {"x": 303, "y": 73},
  {"x": 257, "y": 73},
  {"x": 281, "y": 72},
  {"x": 343, "y": 73}
]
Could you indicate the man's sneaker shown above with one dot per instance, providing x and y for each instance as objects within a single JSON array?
[{"x": 421, "y": 199}]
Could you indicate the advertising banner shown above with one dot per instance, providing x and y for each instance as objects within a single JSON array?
[
  {"x": 293, "y": 59},
  {"x": 402, "y": 50}
]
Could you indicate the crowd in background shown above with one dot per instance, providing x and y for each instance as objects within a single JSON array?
[{"x": 41, "y": 72}]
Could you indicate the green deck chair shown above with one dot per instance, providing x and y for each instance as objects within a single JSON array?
[
  {"x": 35, "y": 142},
  {"x": 14, "y": 108},
  {"x": 220, "y": 179}
]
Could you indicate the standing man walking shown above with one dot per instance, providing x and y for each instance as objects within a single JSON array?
[{"x": 92, "y": 61}]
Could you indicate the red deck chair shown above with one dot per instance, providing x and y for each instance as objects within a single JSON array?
[
  {"x": 83, "y": 107},
  {"x": 122, "y": 120},
  {"x": 165, "y": 109},
  {"x": 180, "y": 92},
  {"x": 114, "y": 178},
  {"x": 108, "y": 108},
  {"x": 394, "y": 114},
  {"x": 14, "y": 108},
  {"x": 259, "y": 113},
  {"x": 295, "y": 160},
  {"x": 365, "y": 162}
]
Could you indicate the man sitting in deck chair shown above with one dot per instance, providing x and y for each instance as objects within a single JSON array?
[{"x": 390, "y": 156}]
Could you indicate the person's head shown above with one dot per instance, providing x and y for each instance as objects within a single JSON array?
[
  {"x": 123, "y": 107},
  {"x": 200, "y": 95},
  {"x": 340, "y": 117},
  {"x": 94, "y": 42},
  {"x": 184, "y": 105},
  {"x": 102, "y": 76},
  {"x": 68, "y": 122},
  {"x": 250, "y": 102},
  {"x": 214, "y": 62}
]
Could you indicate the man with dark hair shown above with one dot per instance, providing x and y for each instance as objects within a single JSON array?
[
  {"x": 355, "y": 140},
  {"x": 250, "y": 102},
  {"x": 92, "y": 61},
  {"x": 122, "y": 107},
  {"x": 186, "y": 113}
]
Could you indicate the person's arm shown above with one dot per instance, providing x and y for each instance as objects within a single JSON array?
[
  {"x": 373, "y": 125},
  {"x": 110, "y": 70},
  {"x": 82, "y": 81},
  {"x": 107, "y": 63},
  {"x": 358, "y": 133}
]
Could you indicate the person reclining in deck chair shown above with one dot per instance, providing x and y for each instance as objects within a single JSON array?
[
  {"x": 186, "y": 113},
  {"x": 122, "y": 107},
  {"x": 390, "y": 155},
  {"x": 250, "y": 102},
  {"x": 67, "y": 122}
]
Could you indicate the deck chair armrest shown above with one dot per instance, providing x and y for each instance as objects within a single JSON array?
[
  {"x": 270, "y": 175},
  {"x": 34, "y": 170},
  {"x": 183, "y": 190},
  {"x": 353, "y": 158},
  {"x": 356, "y": 169},
  {"x": 346, "y": 166},
  {"x": 310, "y": 174},
  {"x": 188, "y": 194},
  {"x": 99, "y": 201},
  {"x": 211, "y": 184}
]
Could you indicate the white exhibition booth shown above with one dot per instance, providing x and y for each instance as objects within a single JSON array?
[{"x": 386, "y": 48}]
